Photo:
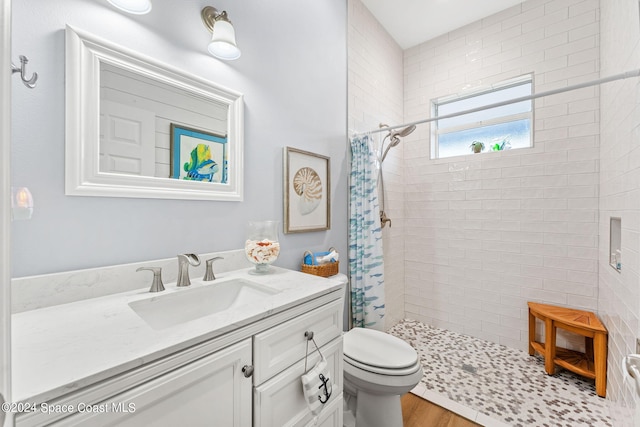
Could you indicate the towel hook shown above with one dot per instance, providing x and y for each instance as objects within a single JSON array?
[{"x": 22, "y": 69}]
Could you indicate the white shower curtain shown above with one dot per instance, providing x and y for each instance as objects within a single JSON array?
[{"x": 366, "y": 266}]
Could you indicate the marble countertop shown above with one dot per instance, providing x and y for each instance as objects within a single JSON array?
[{"x": 60, "y": 349}]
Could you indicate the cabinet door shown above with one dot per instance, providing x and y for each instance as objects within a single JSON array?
[
  {"x": 280, "y": 401},
  {"x": 331, "y": 416},
  {"x": 211, "y": 391}
]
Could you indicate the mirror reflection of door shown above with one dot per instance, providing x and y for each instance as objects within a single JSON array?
[
  {"x": 127, "y": 140},
  {"x": 136, "y": 112}
]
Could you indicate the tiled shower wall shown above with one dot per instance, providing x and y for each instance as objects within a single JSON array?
[
  {"x": 488, "y": 232},
  {"x": 619, "y": 293},
  {"x": 485, "y": 233},
  {"x": 375, "y": 96}
]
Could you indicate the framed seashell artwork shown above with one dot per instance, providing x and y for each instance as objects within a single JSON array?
[{"x": 307, "y": 191}]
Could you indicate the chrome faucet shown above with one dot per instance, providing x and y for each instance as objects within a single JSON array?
[{"x": 184, "y": 260}]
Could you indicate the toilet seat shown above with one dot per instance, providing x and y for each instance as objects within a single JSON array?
[
  {"x": 379, "y": 353},
  {"x": 382, "y": 371}
]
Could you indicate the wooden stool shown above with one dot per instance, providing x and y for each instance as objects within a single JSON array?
[{"x": 592, "y": 363}]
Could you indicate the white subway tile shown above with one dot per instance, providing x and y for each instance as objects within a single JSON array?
[
  {"x": 522, "y": 236},
  {"x": 590, "y": 228},
  {"x": 503, "y": 183},
  {"x": 524, "y": 17},
  {"x": 524, "y": 215},
  {"x": 547, "y": 250},
  {"x": 571, "y": 23},
  {"x": 586, "y": 277},
  {"x": 546, "y": 135},
  {"x": 570, "y": 239},
  {"x": 523, "y": 281},
  {"x": 571, "y": 215},
  {"x": 572, "y": 48},
  {"x": 501, "y": 204},
  {"x": 500, "y": 330},
  {"x": 548, "y": 297},
  {"x": 584, "y": 130},
  {"x": 523, "y": 193},
  {"x": 586, "y": 166},
  {"x": 544, "y": 272},
  {"x": 582, "y": 302},
  {"x": 585, "y": 265},
  {"x": 551, "y": 180},
  {"x": 582, "y": 252},
  {"x": 546, "y": 227},
  {"x": 523, "y": 171},
  {"x": 483, "y": 194},
  {"x": 544, "y": 204},
  {"x": 522, "y": 259}
]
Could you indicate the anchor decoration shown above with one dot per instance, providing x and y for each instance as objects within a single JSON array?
[{"x": 325, "y": 390}]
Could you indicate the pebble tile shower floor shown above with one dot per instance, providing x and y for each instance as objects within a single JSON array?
[{"x": 502, "y": 383}]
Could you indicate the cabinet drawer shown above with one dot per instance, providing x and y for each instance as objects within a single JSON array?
[
  {"x": 280, "y": 347},
  {"x": 280, "y": 401}
]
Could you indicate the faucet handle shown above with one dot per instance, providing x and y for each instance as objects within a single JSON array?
[
  {"x": 384, "y": 219},
  {"x": 208, "y": 275},
  {"x": 157, "y": 285}
]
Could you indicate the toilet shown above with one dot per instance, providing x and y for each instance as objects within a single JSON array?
[{"x": 378, "y": 369}]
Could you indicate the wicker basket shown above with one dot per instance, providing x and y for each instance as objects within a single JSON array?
[{"x": 324, "y": 270}]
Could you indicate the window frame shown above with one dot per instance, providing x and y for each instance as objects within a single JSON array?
[{"x": 503, "y": 85}]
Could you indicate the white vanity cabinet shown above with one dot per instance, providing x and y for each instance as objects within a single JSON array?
[
  {"x": 204, "y": 383},
  {"x": 209, "y": 391}
]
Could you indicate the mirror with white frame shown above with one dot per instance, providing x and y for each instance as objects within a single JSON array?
[{"x": 136, "y": 127}]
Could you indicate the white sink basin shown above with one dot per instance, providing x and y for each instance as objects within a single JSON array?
[{"x": 196, "y": 301}]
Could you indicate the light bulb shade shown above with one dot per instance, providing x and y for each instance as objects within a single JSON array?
[
  {"x": 223, "y": 41},
  {"x": 21, "y": 203},
  {"x": 136, "y": 7}
]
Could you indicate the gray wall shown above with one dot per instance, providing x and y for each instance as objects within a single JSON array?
[{"x": 293, "y": 74}]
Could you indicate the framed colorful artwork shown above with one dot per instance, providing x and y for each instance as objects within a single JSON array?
[
  {"x": 197, "y": 155},
  {"x": 307, "y": 191}
]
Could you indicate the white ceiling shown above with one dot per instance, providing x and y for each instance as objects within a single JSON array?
[{"x": 411, "y": 22}]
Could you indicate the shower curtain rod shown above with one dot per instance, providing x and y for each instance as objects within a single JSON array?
[{"x": 621, "y": 76}]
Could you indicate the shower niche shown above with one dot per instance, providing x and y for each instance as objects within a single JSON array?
[{"x": 615, "y": 247}]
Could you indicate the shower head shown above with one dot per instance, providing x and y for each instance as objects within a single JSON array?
[
  {"x": 394, "y": 138},
  {"x": 406, "y": 131}
]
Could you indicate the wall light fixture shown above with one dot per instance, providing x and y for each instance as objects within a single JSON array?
[
  {"x": 21, "y": 203},
  {"x": 135, "y": 7},
  {"x": 223, "y": 39}
]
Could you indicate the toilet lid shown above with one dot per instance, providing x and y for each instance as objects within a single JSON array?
[{"x": 375, "y": 348}]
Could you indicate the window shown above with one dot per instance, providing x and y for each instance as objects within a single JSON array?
[{"x": 498, "y": 128}]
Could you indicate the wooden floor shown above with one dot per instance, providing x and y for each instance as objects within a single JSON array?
[{"x": 417, "y": 412}]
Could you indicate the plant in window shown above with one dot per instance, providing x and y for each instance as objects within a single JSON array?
[
  {"x": 477, "y": 146},
  {"x": 501, "y": 144}
]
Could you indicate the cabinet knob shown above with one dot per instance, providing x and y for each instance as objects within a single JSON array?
[{"x": 247, "y": 370}]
